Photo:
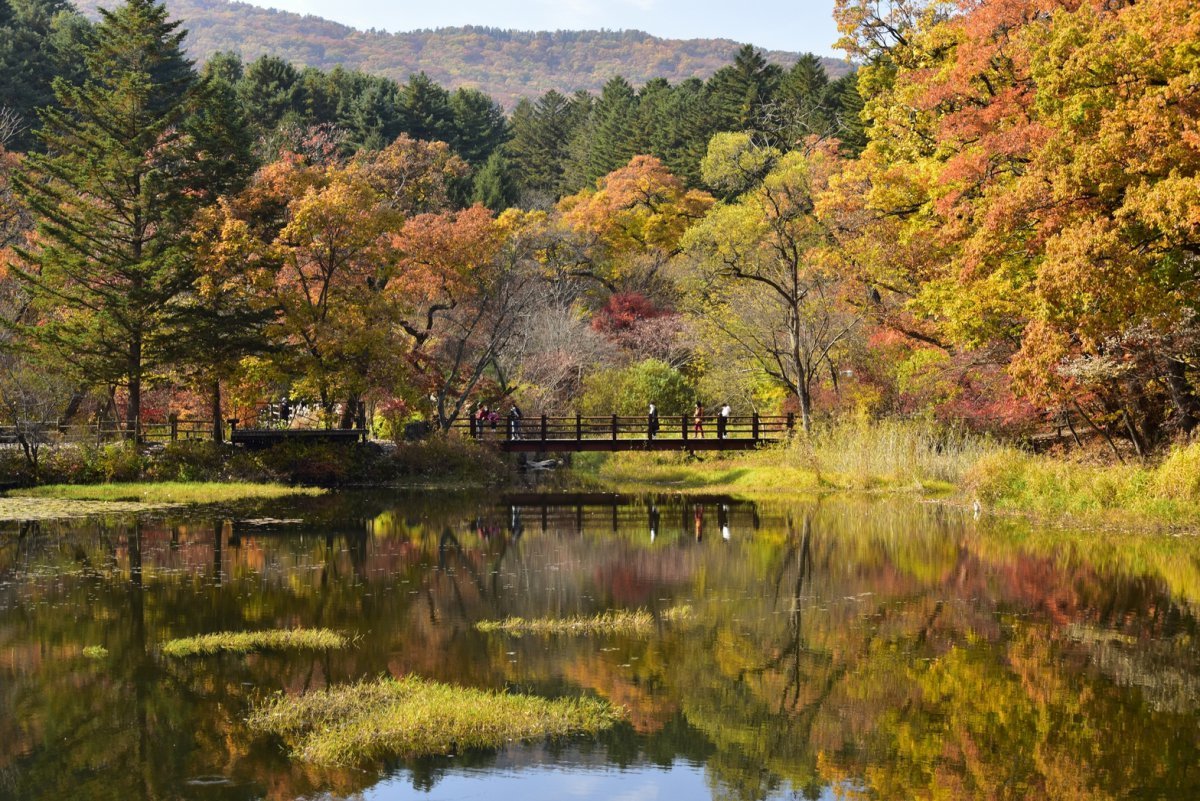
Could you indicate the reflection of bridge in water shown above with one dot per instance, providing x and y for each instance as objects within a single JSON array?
[
  {"x": 548, "y": 434},
  {"x": 695, "y": 516}
]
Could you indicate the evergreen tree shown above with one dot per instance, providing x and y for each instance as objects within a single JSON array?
[
  {"x": 113, "y": 195},
  {"x": 537, "y": 151},
  {"x": 39, "y": 41},
  {"x": 844, "y": 107},
  {"x": 376, "y": 115},
  {"x": 740, "y": 91},
  {"x": 479, "y": 125},
  {"x": 425, "y": 109},
  {"x": 615, "y": 139},
  {"x": 494, "y": 186},
  {"x": 270, "y": 90}
]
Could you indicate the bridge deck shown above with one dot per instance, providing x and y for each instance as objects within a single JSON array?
[{"x": 547, "y": 434}]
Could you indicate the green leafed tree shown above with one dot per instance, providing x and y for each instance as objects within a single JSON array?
[{"x": 113, "y": 195}]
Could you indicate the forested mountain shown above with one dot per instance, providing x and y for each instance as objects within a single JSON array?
[{"x": 508, "y": 65}]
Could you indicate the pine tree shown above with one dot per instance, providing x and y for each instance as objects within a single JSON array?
[
  {"x": 425, "y": 108},
  {"x": 537, "y": 150},
  {"x": 113, "y": 196},
  {"x": 494, "y": 186},
  {"x": 739, "y": 92},
  {"x": 39, "y": 41},
  {"x": 270, "y": 90},
  {"x": 479, "y": 125}
]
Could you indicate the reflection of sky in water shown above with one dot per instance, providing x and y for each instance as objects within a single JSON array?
[{"x": 543, "y": 783}]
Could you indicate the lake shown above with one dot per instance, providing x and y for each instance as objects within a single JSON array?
[{"x": 837, "y": 648}]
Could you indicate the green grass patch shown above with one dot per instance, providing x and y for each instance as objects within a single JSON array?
[
  {"x": 95, "y": 652},
  {"x": 244, "y": 642},
  {"x": 413, "y": 717},
  {"x": 631, "y": 623},
  {"x": 165, "y": 493}
]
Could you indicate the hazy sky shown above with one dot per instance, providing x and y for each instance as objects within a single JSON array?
[{"x": 801, "y": 25}]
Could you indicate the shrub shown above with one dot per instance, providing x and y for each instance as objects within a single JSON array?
[
  {"x": 118, "y": 461},
  {"x": 189, "y": 460},
  {"x": 448, "y": 457}
]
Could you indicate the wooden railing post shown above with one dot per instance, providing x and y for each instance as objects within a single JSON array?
[
  {"x": 614, "y": 428},
  {"x": 683, "y": 425},
  {"x": 545, "y": 427},
  {"x": 173, "y": 418},
  {"x": 578, "y": 427},
  {"x": 754, "y": 427},
  {"x": 791, "y": 422}
]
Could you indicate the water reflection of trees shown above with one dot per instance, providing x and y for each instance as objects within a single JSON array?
[{"x": 886, "y": 649}]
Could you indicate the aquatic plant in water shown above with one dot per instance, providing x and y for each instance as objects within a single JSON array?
[
  {"x": 411, "y": 717},
  {"x": 243, "y": 642},
  {"x": 632, "y": 623}
]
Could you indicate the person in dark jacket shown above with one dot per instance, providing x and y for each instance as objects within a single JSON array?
[{"x": 652, "y": 422}]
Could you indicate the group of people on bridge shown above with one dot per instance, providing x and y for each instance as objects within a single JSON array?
[{"x": 485, "y": 417}]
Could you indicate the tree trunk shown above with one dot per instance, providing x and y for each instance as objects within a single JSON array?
[
  {"x": 218, "y": 426},
  {"x": 133, "y": 410},
  {"x": 1183, "y": 396},
  {"x": 349, "y": 412},
  {"x": 805, "y": 409}
]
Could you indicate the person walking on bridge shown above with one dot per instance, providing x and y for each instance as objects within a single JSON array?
[
  {"x": 723, "y": 421},
  {"x": 652, "y": 422},
  {"x": 698, "y": 420}
]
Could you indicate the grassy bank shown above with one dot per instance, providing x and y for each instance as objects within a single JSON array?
[
  {"x": 914, "y": 458},
  {"x": 168, "y": 492},
  {"x": 245, "y": 642},
  {"x": 412, "y": 717}
]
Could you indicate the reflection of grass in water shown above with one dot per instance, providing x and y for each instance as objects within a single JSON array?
[
  {"x": 243, "y": 642},
  {"x": 414, "y": 717},
  {"x": 95, "y": 652},
  {"x": 637, "y": 622},
  {"x": 165, "y": 492}
]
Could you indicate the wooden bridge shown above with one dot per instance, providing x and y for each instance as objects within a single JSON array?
[{"x": 548, "y": 434}]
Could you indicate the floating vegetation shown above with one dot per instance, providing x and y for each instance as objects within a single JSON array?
[
  {"x": 59, "y": 509},
  {"x": 167, "y": 492},
  {"x": 244, "y": 642},
  {"x": 95, "y": 652},
  {"x": 412, "y": 717},
  {"x": 632, "y": 623}
]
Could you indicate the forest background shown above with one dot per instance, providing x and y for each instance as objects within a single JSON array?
[{"x": 992, "y": 224}]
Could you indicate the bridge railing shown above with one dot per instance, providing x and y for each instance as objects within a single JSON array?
[{"x": 592, "y": 428}]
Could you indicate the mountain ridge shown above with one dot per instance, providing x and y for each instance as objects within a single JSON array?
[{"x": 508, "y": 64}]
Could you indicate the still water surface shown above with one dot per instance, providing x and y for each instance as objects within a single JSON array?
[{"x": 838, "y": 649}]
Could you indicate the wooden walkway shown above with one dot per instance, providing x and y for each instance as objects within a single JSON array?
[{"x": 576, "y": 434}]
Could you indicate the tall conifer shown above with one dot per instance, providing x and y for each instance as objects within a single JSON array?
[{"x": 113, "y": 195}]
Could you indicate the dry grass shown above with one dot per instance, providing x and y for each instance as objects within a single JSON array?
[
  {"x": 630, "y": 623},
  {"x": 244, "y": 642},
  {"x": 412, "y": 717}
]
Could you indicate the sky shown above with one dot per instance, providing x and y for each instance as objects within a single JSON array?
[{"x": 795, "y": 25}]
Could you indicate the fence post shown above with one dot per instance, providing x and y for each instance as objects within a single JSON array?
[
  {"x": 173, "y": 418},
  {"x": 544, "y": 427},
  {"x": 791, "y": 422},
  {"x": 578, "y": 427},
  {"x": 754, "y": 426},
  {"x": 683, "y": 425},
  {"x": 614, "y": 428}
]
